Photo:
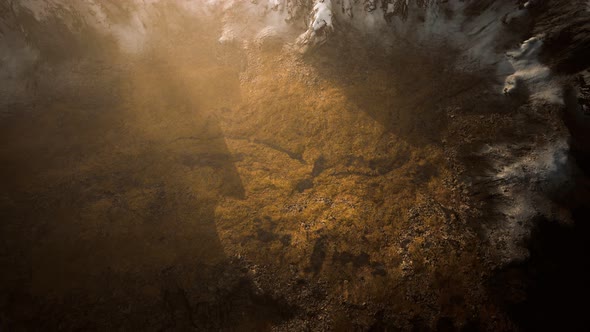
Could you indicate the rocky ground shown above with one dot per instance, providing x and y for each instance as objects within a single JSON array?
[{"x": 246, "y": 186}]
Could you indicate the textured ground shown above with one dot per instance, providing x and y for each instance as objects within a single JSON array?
[{"x": 202, "y": 186}]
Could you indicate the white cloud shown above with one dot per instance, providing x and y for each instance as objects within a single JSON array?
[{"x": 530, "y": 73}]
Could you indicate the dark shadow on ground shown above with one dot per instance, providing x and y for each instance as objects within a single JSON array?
[
  {"x": 406, "y": 90},
  {"x": 549, "y": 290}
]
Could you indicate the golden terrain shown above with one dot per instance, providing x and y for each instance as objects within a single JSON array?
[{"x": 209, "y": 187}]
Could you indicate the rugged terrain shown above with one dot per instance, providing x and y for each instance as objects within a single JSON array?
[{"x": 208, "y": 166}]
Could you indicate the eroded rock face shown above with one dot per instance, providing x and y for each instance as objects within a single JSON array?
[{"x": 182, "y": 165}]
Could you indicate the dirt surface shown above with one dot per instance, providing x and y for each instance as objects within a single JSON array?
[{"x": 211, "y": 187}]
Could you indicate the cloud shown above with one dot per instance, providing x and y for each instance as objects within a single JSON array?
[{"x": 529, "y": 72}]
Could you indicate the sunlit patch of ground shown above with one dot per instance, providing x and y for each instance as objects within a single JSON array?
[{"x": 347, "y": 183}]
